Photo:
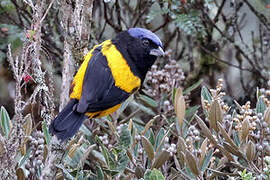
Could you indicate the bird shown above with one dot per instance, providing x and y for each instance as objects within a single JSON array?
[{"x": 109, "y": 74}]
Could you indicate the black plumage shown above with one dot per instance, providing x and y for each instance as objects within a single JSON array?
[{"x": 139, "y": 48}]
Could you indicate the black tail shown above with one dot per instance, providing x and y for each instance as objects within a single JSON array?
[{"x": 68, "y": 122}]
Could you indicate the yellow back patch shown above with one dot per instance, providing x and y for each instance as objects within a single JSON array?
[
  {"x": 121, "y": 72},
  {"x": 78, "y": 79}
]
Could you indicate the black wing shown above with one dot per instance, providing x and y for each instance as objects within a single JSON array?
[{"x": 99, "y": 92}]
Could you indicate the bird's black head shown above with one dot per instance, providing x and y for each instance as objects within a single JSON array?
[{"x": 140, "y": 47}]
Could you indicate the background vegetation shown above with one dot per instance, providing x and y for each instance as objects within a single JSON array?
[{"x": 204, "y": 111}]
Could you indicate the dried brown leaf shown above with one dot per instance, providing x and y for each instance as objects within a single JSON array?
[
  {"x": 191, "y": 161},
  {"x": 207, "y": 133},
  {"x": 176, "y": 162},
  {"x": 251, "y": 151},
  {"x": 181, "y": 110},
  {"x": 181, "y": 144},
  {"x": 129, "y": 154},
  {"x": 226, "y": 136},
  {"x": 205, "y": 130},
  {"x": 222, "y": 162},
  {"x": 266, "y": 116},
  {"x": 135, "y": 140},
  {"x": 229, "y": 148},
  {"x": 72, "y": 150},
  {"x": 161, "y": 142},
  {"x": 181, "y": 158},
  {"x": 244, "y": 130},
  {"x": 147, "y": 126},
  {"x": 215, "y": 115},
  {"x": 130, "y": 125},
  {"x": 28, "y": 125},
  {"x": 81, "y": 140},
  {"x": 23, "y": 146},
  {"x": 86, "y": 154},
  {"x": 181, "y": 149},
  {"x": 20, "y": 174},
  {"x": 147, "y": 146},
  {"x": 45, "y": 154},
  {"x": 161, "y": 159},
  {"x": 112, "y": 127},
  {"x": 178, "y": 93},
  {"x": 59, "y": 175},
  {"x": 203, "y": 152},
  {"x": 174, "y": 174},
  {"x": 139, "y": 171},
  {"x": 72, "y": 142},
  {"x": 225, "y": 152}
]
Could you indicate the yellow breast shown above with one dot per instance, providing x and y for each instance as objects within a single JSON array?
[{"x": 122, "y": 74}]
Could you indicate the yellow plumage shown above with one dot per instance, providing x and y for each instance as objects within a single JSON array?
[
  {"x": 121, "y": 72},
  {"x": 123, "y": 76}
]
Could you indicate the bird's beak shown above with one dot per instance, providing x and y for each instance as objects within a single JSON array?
[{"x": 157, "y": 52}]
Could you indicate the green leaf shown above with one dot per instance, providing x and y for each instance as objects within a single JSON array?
[
  {"x": 100, "y": 174},
  {"x": 156, "y": 175},
  {"x": 260, "y": 106},
  {"x": 151, "y": 102},
  {"x": 85, "y": 130},
  {"x": 74, "y": 162},
  {"x": 205, "y": 94},
  {"x": 111, "y": 173},
  {"x": 125, "y": 137},
  {"x": 190, "y": 112},
  {"x": 189, "y": 173},
  {"x": 189, "y": 23},
  {"x": 207, "y": 160},
  {"x": 194, "y": 86},
  {"x": 122, "y": 161},
  {"x": 5, "y": 121},
  {"x": 99, "y": 156},
  {"x": 147, "y": 174},
  {"x": 152, "y": 14},
  {"x": 46, "y": 132},
  {"x": 15, "y": 37},
  {"x": 152, "y": 137},
  {"x": 65, "y": 172},
  {"x": 125, "y": 104},
  {"x": 258, "y": 93},
  {"x": 25, "y": 157},
  {"x": 236, "y": 139},
  {"x": 109, "y": 160},
  {"x": 159, "y": 137},
  {"x": 7, "y": 6},
  {"x": 143, "y": 108}
]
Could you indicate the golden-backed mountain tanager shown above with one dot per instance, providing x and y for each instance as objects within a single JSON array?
[{"x": 109, "y": 74}]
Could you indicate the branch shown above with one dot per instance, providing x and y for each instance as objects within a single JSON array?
[
  {"x": 165, "y": 22},
  {"x": 45, "y": 14},
  {"x": 140, "y": 15},
  {"x": 260, "y": 16},
  {"x": 109, "y": 21},
  {"x": 219, "y": 11},
  {"x": 223, "y": 61}
]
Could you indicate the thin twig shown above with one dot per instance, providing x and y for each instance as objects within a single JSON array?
[
  {"x": 223, "y": 61},
  {"x": 260, "y": 16},
  {"x": 47, "y": 10}
]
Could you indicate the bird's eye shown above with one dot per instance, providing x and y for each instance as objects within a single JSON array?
[{"x": 145, "y": 42}]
